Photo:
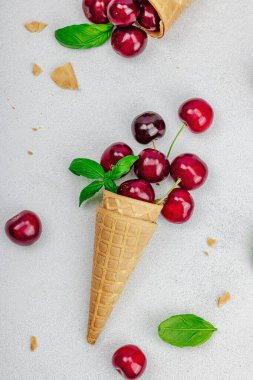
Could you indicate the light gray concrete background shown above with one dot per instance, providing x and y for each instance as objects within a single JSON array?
[{"x": 44, "y": 289}]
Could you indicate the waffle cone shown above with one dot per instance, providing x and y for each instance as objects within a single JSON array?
[
  {"x": 169, "y": 11},
  {"x": 119, "y": 243}
]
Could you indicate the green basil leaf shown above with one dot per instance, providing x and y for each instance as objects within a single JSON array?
[
  {"x": 185, "y": 330},
  {"x": 90, "y": 190},
  {"x": 110, "y": 185},
  {"x": 84, "y": 36},
  {"x": 87, "y": 168},
  {"x": 123, "y": 166}
]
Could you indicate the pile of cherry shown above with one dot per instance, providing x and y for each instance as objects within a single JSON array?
[
  {"x": 127, "y": 40},
  {"x": 187, "y": 170}
]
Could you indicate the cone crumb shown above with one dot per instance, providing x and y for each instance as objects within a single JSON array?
[
  {"x": 35, "y": 129},
  {"x": 37, "y": 70},
  {"x": 211, "y": 242},
  {"x": 64, "y": 76},
  {"x": 35, "y": 26},
  {"x": 224, "y": 299},
  {"x": 206, "y": 253},
  {"x": 30, "y": 153},
  {"x": 33, "y": 344}
]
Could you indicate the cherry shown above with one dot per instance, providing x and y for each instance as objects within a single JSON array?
[
  {"x": 191, "y": 169},
  {"x": 197, "y": 114},
  {"x": 129, "y": 361},
  {"x": 96, "y": 11},
  {"x": 149, "y": 17},
  {"x": 122, "y": 12},
  {"x": 113, "y": 154},
  {"x": 129, "y": 41},
  {"x": 24, "y": 228},
  {"x": 153, "y": 166},
  {"x": 137, "y": 189},
  {"x": 147, "y": 127},
  {"x": 178, "y": 206}
]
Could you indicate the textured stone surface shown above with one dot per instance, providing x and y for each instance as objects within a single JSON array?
[{"x": 44, "y": 289}]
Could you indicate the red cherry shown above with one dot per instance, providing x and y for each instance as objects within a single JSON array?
[
  {"x": 153, "y": 166},
  {"x": 137, "y": 189},
  {"x": 147, "y": 127},
  {"x": 197, "y": 114},
  {"x": 24, "y": 228},
  {"x": 129, "y": 41},
  {"x": 122, "y": 12},
  {"x": 96, "y": 11},
  {"x": 113, "y": 154},
  {"x": 178, "y": 207},
  {"x": 129, "y": 361},
  {"x": 149, "y": 17},
  {"x": 191, "y": 169}
]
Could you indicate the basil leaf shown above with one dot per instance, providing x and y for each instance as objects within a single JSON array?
[
  {"x": 87, "y": 168},
  {"x": 90, "y": 190},
  {"x": 185, "y": 330},
  {"x": 123, "y": 166},
  {"x": 84, "y": 36},
  {"x": 110, "y": 185}
]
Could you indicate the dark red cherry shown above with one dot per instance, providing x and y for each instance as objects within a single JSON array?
[
  {"x": 178, "y": 207},
  {"x": 96, "y": 11},
  {"x": 129, "y": 41},
  {"x": 122, "y": 12},
  {"x": 24, "y": 228},
  {"x": 197, "y": 114},
  {"x": 113, "y": 154},
  {"x": 153, "y": 166},
  {"x": 147, "y": 127},
  {"x": 129, "y": 361},
  {"x": 137, "y": 189},
  {"x": 149, "y": 17},
  {"x": 191, "y": 169}
]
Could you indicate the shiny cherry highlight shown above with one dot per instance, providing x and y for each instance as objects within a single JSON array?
[
  {"x": 129, "y": 361},
  {"x": 147, "y": 127},
  {"x": 122, "y": 12},
  {"x": 178, "y": 207},
  {"x": 137, "y": 189},
  {"x": 191, "y": 169},
  {"x": 24, "y": 228},
  {"x": 113, "y": 154},
  {"x": 197, "y": 114},
  {"x": 129, "y": 42},
  {"x": 153, "y": 166}
]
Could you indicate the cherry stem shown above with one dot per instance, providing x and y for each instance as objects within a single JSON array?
[
  {"x": 159, "y": 201},
  {"x": 154, "y": 144},
  {"x": 173, "y": 142}
]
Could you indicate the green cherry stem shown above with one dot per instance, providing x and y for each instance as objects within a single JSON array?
[
  {"x": 173, "y": 142},
  {"x": 154, "y": 144},
  {"x": 160, "y": 201}
]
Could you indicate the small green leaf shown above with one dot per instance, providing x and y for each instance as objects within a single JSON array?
[
  {"x": 123, "y": 166},
  {"x": 110, "y": 185},
  {"x": 87, "y": 168},
  {"x": 84, "y": 36},
  {"x": 90, "y": 190},
  {"x": 185, "y": 330}
]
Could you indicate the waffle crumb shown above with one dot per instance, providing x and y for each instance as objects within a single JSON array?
[
  {"x": 222, "y": 300},
  {"x": 211, "y": 242},
  {"x": 35, "y": 26},
  {"x": 13, "y": 107},
  {"x": 37, "y": 70},
  {"x": 64, "y": 76},
  {"x": 33, "y": 344},
  {"x": 30, "y": 153},
  {"x": 206, "y": 253}
]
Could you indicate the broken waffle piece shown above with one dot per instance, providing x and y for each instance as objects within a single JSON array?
[
  {"x": 64, "y": 76},
  {"x": 33, "y": 344},
  {"x": 211, "y": 242},
  {"x": 37, "y": 70},
  {"x": 35, "y": 26},
  {"x": 222, "y": 300}
]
